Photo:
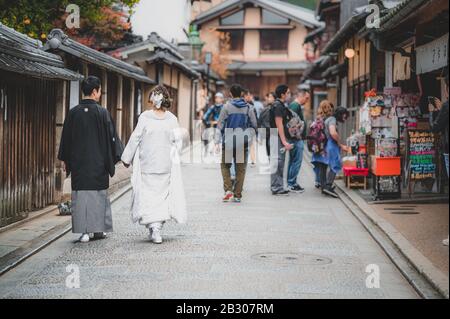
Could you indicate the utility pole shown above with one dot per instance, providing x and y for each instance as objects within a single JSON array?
[{"x": 208, "y": 61}]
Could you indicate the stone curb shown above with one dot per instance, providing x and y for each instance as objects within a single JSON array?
[
  {"x": 31, "y": 217},
  {"x": 421, "y": 264},
  {"x": 432, "y": 274},
  {"x": 21, "y": 254}
]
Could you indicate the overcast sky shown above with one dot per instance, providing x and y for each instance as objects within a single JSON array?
[{"x": 166, "y": 17}]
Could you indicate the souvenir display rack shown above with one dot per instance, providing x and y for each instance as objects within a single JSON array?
[{"x": 376, "y": 119}]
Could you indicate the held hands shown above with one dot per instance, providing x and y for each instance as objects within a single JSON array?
[
  {"x": 288, "y": 147},
  {"x": 217, "y": 149}
]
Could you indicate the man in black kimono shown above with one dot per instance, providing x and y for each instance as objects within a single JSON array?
[{"x": 90, "y": 148}]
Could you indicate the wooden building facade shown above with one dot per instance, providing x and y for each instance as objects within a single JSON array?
[{"x": 32, "y": 94}]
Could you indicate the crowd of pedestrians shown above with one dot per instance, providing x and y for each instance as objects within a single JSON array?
[
  {"x": 280, "y": 123},
  {"x": 90, "y": 149}
]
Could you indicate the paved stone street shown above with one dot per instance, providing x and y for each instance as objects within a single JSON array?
[{"x": 302, "y": 246}]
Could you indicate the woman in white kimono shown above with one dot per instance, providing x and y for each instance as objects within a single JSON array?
[{"x": 153, "y": 149}]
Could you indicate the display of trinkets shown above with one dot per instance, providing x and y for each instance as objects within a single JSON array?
[
  {"x": 407, "y": 110},
  {"x": 386, "y": 187},
  {"x": 362, "y": 161},
  {"x": 388, "y": 184},
  {"x": 376, "y": 115},
  {"x": 355, "y": 141},
  {"x": 382, "y": 132},
  {"x": 386, "y": 147}
]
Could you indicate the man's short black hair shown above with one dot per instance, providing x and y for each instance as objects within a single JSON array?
[
  {"x": 236, "y": 91},
  {"x": 90, "y": 84},
  {"x": 280, "y": 90}
]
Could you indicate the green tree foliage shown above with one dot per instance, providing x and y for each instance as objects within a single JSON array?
[
  {"x": 102, "y": 21},
  {"x": 310, "y": 4}
]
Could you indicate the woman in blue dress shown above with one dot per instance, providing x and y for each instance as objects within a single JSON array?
[
  {"x": 319, "y": 160},
  {"x": 328, "y": 164},
  {"x": 334, "y": 148}
]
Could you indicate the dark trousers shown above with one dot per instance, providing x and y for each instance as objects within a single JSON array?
[{"x": 326, "y": 177}]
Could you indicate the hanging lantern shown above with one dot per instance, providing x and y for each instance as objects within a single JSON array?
[{"x": 350, "y": 53}]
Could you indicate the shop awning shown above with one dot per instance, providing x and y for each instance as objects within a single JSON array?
[{"x": 432, "y": 56}]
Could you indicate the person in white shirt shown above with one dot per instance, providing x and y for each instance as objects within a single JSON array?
[{"x": 153, "y": 149}]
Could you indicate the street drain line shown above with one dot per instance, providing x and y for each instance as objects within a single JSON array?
[{"x": 293, "y": 259}]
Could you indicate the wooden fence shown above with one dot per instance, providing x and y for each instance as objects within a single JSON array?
[{"x": 27, "y": 145}]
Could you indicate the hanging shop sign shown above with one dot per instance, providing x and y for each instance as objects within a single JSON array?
[
  {"x": 402, "y": 66},
  {"x": 432, "y": 56},
  {"x": 392, "y": 90}
]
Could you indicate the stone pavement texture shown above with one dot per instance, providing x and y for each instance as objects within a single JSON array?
[
  {"x": 424, "y": 226},
  {"x": 302, "y": 246},
  {"x": 24, "y": 237}
]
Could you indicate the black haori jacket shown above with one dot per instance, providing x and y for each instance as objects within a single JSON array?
[{"x": 90, "y": 146}]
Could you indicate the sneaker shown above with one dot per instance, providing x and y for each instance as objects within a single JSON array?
[
  {"x": 445, "y": 242},
  {"x": 331, "y": 192},
  {"x": 150, "y": 234},
  {"x": 297, "y": 189},
  {"x": 228, "y": 197},
  {"x": 156, "y": 237},
  {"x": 317, "y": 185},
  {"x": 85, "y": 238},
  {"x": 237, "y": 200},
  {"x": 282, "y": 193},
  {"x": 99, "y": 236}
]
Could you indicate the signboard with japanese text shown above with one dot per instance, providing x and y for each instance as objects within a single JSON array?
[
  {"x": 432, "y": 56},
  {"x": 422, "y": 154}
]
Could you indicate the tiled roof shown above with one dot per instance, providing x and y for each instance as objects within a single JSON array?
[
  {"x": 155, "y": 40},
  {"x": 397, "y": 13},
  {"x": 268, "y": 66},
  {"x": 293, "y": 12},
  {"x": 57, "y": 40},
  {"x": 161, "y": 50},
  {"x": 168, "y": 59},
  {"x": 350, "y": 28},
  {"x": 203, "y": 69},
  {"x": 312, "y": 35},
  {"x": 21, "y": 54}
]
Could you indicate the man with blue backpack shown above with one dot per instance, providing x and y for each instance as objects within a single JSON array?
[{"x": 238, "y": 125}]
